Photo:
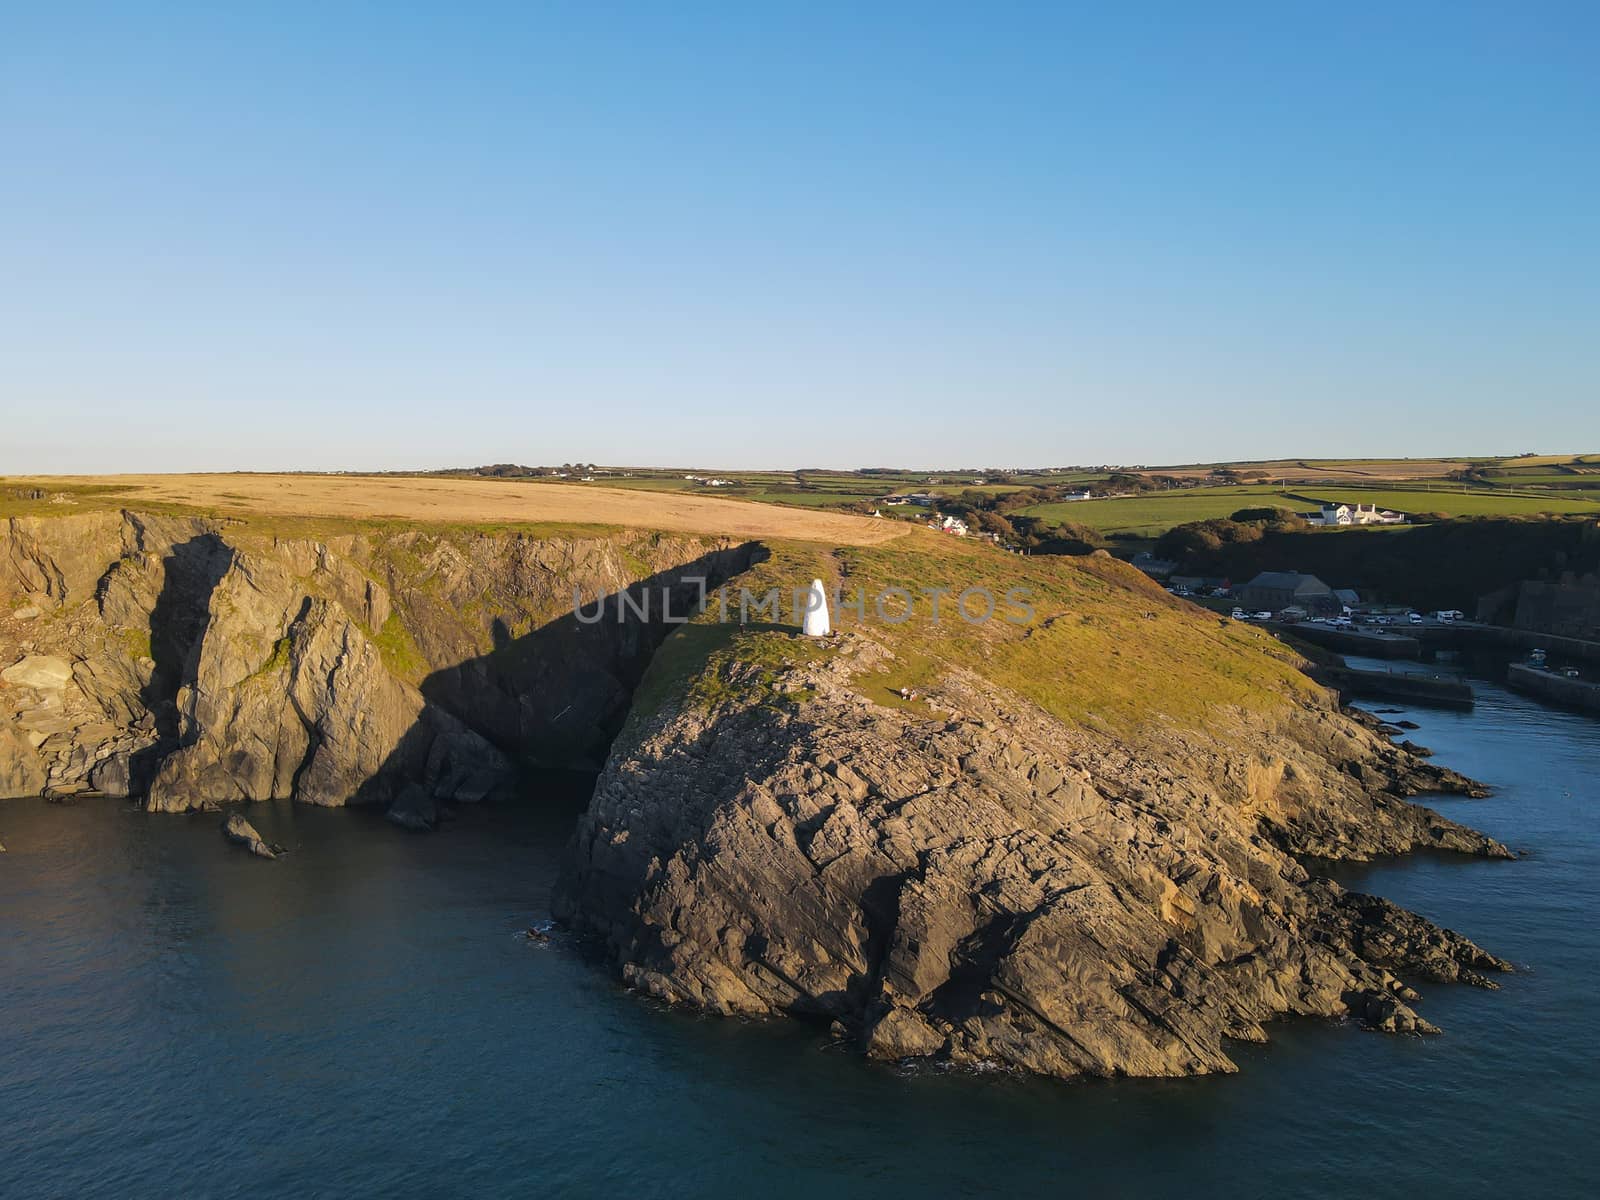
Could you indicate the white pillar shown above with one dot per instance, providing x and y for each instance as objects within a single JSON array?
[{"x": 816, "y": 623}]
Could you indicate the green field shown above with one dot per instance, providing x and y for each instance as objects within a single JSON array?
[
  {"x": 1476, "y": 502},
  {"x": 1520, "y": 487},
  {"x": 1586, "y": 476},
  {"x": 1158, "y": 512},
  {"x": 1155, "y": 513}
]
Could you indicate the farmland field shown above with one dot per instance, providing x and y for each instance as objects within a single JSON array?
[
  {"x": 1155, "y": 513},
  {"x": 1477, "y": 502},
  {"x": 804, "y": 489},
  {"x": 445, "y": 500},
  {"x": 1152, "y": 514}
]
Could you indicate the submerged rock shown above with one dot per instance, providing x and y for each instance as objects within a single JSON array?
[
  {"x": 413, "y": 808},
  {"x": 237, "y": 829}
]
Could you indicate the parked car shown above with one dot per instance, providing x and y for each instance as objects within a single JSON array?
[
  {"x": 1414, "y": 618},
  {"x": 1263, "y": 616}
]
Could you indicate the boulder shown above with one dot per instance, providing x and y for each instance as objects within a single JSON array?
[
  {"x": 113, "y": 776},
  {"x": 237, "y": 829},
  {"x": 41, "y": 672},
  {"x": 902, "y": 1033},
  {"x": 414, "y": 809},
  {"x": 22, "y": 771}
]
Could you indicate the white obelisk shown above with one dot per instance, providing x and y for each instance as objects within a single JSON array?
[{"x": 816, "y": 624}]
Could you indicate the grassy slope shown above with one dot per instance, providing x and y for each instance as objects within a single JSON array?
[{"x": 1105, "y": 648}]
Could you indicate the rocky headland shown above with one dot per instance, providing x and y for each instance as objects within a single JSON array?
[
  {"x": 990, "y": 873},
  {"x": 1074, "y": 845}
]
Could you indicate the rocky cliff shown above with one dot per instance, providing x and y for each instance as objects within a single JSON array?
[
  {"x": 1071, "y": 843},
  {"x": 198, "y": 663},
  {"x": 967, "y": 875}
]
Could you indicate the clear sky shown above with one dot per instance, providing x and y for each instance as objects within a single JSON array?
[{"x": 389, "y": 235}]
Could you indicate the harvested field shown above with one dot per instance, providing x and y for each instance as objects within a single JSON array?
[{"x": 452, "y": 501}]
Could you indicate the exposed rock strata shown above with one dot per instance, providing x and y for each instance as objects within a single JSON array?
[
  {"x": 993, "y": 885},
  {"x": 196, "y": 663}
]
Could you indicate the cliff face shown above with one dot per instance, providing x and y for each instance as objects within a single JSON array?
[
  {"x": 202, "y": 663},
  {"x": 969, "y": 876}
]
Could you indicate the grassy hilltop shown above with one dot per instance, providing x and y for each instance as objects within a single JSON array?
[{"x": 1103, "y": 647}]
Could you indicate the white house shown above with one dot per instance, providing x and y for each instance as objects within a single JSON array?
[
  {"x": 1358, "y": 514},
  {"x": 954, "y": 525}
]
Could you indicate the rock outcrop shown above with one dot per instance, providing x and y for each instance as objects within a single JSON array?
[
  {"x": 194, "y": 663},
  {"x": 986, "y": 883},
  {"x": 289, "y": 697},
  {"x": 237, "y": 829}
]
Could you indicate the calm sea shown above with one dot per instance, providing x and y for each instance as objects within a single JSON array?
[{"x": 360, "y": 1018}]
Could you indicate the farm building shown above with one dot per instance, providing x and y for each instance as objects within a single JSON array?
[
  {"x": 1275, "y": 590},
  {"x": 1356, "y": 514}
]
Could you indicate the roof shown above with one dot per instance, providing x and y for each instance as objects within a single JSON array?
[{"x": 1290, "y": 581}]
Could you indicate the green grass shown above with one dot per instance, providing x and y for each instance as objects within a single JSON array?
[
  {"x": 399, "y": 651},
  {"x": 137, "y": 642},
  {"x": 1154, "y": 513},
  {"x": 275, "y": 661},
  {"x": 1105, "y": 649},
  {"x": 1537, "y": 476}
]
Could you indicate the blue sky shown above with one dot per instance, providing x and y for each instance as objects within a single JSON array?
[{"x": 389, "y": 236}]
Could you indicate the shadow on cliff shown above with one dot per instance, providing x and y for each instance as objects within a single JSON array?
[
  {"x": 190, "y": 573},
  {"x": 554, "y": 698}
]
